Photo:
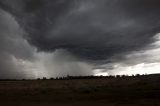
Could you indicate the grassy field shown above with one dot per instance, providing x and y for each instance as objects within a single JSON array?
[{"x": 126, "y": 91}]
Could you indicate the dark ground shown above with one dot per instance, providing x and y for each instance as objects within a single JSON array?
[{"x": 126, "y": 91}]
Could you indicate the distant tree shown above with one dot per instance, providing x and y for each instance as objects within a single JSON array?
[
  {"x": 118, "y": 76},
  {"x": 123, "y": 76},
  {"x": 52, "y": 78},
  {"x": 44, "y": 78},
  {"x": 137, "y": 75},
  {"x": 38, "y": 79}
]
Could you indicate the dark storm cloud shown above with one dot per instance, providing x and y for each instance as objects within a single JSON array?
[
  {"x": 13, "y": 48},
  {"x": 65, "y": 32},
  {"x": 89, "y": 29}
]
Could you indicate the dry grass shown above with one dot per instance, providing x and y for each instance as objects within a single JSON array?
[{"x": 127, "y": 91}]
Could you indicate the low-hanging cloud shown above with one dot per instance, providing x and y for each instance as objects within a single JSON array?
[
  {"x": 138, "y": 62},
  {"x": 91, "y": 29},
  {"x": 18, "y": 59},
  {"x": 73, "y": 37},
  {"x": 12, "y": 46}
]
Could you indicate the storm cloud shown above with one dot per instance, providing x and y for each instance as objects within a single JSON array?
[
  {"x": 12, "y": 46},
  {"x": 90, "y": 33}
]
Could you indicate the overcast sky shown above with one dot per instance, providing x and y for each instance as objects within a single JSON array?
[{"x": 50, "y": 38}]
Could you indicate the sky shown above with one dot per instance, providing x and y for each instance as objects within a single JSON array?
[{"x": 53, "y": 38}]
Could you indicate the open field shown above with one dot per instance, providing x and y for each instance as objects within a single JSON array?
[{"x": 126, "y": 91}]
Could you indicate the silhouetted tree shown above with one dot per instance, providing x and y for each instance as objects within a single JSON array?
[{"x": 44, "y": 78}]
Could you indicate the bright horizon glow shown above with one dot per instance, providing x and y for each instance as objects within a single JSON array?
[{"x": 149, "y": 62}]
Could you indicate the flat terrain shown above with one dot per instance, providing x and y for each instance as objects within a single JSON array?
[{"x": 126, "y": 91}]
